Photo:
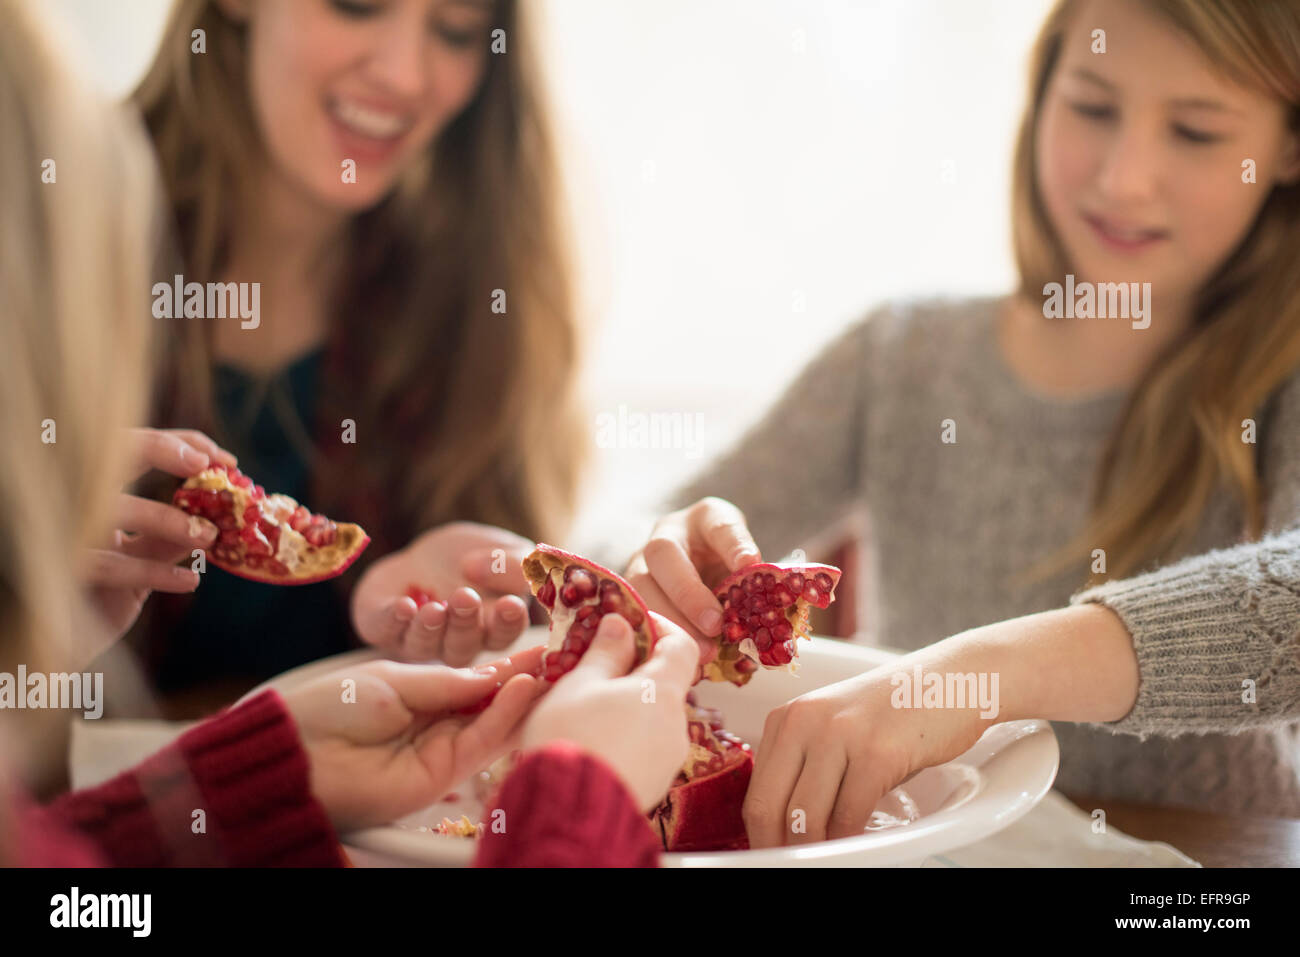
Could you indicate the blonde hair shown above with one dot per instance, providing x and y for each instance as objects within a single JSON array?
[
  {"x": 471, "y": 415},
  {"x": 1179, "y": 437},
  {"x": 74, "y": 330}
]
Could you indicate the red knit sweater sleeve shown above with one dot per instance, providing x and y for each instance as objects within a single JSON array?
[
  {"x": 561, "y": 807},
  {"x": 244, "y": 769}
]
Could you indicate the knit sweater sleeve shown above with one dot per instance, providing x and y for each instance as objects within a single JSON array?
[
  {"x": 561, "y": 807},
  {"x": 799, "y": 467},
  {"x": 233, "y": 791},
  {"x": 1217, "y": 636}
]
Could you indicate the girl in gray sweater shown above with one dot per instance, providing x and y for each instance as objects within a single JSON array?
[{"x": 1105, "y": 464}]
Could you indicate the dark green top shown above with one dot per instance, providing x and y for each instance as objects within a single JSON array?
[{"x": 235, "y": 628}]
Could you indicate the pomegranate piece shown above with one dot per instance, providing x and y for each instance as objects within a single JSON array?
[
  {"x": 765, "y": 610},
  {"x": 267, "y": 538},
  {"x": 419, "y": 595},
  {"x": 578, "y": 593},
  {"x": 703, "y": 809}
]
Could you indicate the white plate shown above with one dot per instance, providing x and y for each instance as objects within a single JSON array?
[{"x": 993, "y": 784}]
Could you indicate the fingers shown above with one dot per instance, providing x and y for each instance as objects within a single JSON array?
[
  {"x": 497, "y": 570},
  {"x": 507, "y": 619},
  {"x": 168, "y": 452},
  {"x": 653, "y": 596},
  {"x": 612, "y": 651},
  {"x": 164, "y": 522},
  {"x": 490, "y": 730},
  {"x": 109, "y": 569},
  {"x": 814, "y": 795},
  {"x": 720, "y": 525},
  {"x": 383, "y": 624},
  {"x": 678, "y": 578},
  {"x": 464, "y": 635},
  {"x": 423, "y": 637},
  {"x": 860, "y": 790},
  {"x": 204, "y": 444},
  {"x": 437, "y": 689},
  {"x": 776, "y": 771},
  {"x": 676, "y": 657}
]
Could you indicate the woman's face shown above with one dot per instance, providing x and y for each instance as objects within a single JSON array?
[
  {"x": 371, "y": 81},
  {"x": 1140, "y": 153}
]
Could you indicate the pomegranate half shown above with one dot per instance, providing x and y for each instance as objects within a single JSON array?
[
  {"x": 764, "y": 612},
  {"x": 702, "y": 810},
  {"x": 577, "y": 594},
  {"x": 267, "y": 538}
]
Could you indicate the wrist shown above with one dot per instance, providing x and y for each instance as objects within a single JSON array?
[{"x": 1069, "y": 664}]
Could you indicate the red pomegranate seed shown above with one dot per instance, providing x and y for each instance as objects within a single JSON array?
[
  {"x": 546, "y": 594},
  {"x": 579, "y": 585},
  {"x": 419, "y": 595}
]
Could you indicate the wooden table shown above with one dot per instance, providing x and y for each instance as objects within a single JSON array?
[{"x": 1216, "y": 840}]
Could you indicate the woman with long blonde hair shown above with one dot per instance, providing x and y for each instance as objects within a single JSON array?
[
  {"x": 1128, "y": 419},
  {"x": 383, "y": 170},
  {"x": 279, "y": 775}
]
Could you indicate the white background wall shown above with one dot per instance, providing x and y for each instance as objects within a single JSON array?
[{"x": 748, "y": 176}]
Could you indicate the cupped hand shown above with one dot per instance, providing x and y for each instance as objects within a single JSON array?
[
  {"x": 827, "y": 757},
  {"x": 688, "y": 553},
  {"x": 632, "y": 719},
  {"x": 472, "y": 574},
  {"x": 149, "y": 537},
  {"x": 383, "y": 738}
]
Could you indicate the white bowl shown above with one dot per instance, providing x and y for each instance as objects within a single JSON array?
[{"x": 993, "y": 784}]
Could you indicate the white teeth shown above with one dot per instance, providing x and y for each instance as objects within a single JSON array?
[{"x": 369, "y": 122}]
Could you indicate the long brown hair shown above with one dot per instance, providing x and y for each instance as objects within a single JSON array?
[
  {"x": 1179, "y": 438},
  {"x": 460, "y": 412}
]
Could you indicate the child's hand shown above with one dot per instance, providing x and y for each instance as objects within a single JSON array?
[
  {"x": 150, "y": 537},
  {"x": 395, "y": 745},
  {"x": 689, "y": 550},
  {"x": 635, "y": 723},
  {"x": 454, "y": 563},
  {"x": 829, "y": 756}
]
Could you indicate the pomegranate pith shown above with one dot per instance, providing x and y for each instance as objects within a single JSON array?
[
  {"x": 267, "y": 538},
  {"x": 764, "y": 612}
]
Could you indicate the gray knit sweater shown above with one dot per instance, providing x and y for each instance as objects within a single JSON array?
[{"x": 951, "y": 526}]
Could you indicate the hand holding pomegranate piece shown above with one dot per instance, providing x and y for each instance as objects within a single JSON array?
[
  {"x": 757, "y": 611},
  {"x": 268, "y": 538},
  {"x": 149, "y": 537},
  {"x": 423, "y": 602},
  {"x": 397, "y": 743},
  {"x": 701, "y": 543},
  {"x": 633, "y": 719}
]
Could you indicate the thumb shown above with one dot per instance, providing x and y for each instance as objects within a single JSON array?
[
  {"x": 496, "y": 570},
  {"x": 612, "y": 652}
]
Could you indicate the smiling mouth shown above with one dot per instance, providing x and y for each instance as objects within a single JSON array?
[
  {"x": 1124, "y": 237},
  {"x": 368, "y": 122}
]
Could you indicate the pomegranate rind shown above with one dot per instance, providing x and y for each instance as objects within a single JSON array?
[
  {"x": 329, "y": 561},
  {"x": 706, "y": 813},
  {"x": 738, "y": 661},
  {"x": 538, "y": 568}
]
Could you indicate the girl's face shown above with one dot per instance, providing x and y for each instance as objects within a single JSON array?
[
  {"x": 1140, "y": 152},
  {"x": 372, "y": 81}
]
